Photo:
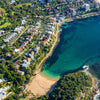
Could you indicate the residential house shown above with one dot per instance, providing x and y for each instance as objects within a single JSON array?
[
  {"x": 2, "y": 46},
  {"x": 2, "y": 32},
  {"x": 3, "y": 93},
  {"x": 1, "y": 81},
  {"x": 18, "y": 50},
  {"x": 11, "y": 36},
  {"x": 18, "y": 29},
  {"x": 25, "y": 65},
  {"x": 12, "y": 1},
  {"x": 20, "y": 72},
  {"x": 32, "y": 52},
  {"x": 17, "y": 66},
  {"x": 37, "y": 49},
  {"x": 86, "y": 6}
]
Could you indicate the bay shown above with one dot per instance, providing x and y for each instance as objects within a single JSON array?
[{"x": 79, "y": 44}]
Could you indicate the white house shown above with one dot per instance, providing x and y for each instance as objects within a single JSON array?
[
  {"x": 86, "y": 6},
  {"x": 8, "y": 38},
  {"x": 3, "y": 92}
]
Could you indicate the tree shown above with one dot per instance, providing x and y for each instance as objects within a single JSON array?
[{"x": 70, "y": 86}]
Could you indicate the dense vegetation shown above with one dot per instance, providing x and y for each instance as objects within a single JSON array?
[
  {"x": 71, "y": 86},
  {"x": 7, "y": 71}
]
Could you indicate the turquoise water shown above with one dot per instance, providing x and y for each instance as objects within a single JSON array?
[{"x": 79, "y": 44}]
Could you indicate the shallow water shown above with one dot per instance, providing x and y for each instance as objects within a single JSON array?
[{"x": 79, "y": 44}]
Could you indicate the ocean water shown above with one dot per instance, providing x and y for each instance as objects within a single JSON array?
[{"x": 79, "y": 44}]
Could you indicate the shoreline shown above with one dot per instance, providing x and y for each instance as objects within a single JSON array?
[
  {"x": 53, "y": 45},
  {"x": 38, "y": 70},
  {"x": 33, "y": 85},
  {"x": 40, "y": 85},
  {"x": 94, "y": 84}
]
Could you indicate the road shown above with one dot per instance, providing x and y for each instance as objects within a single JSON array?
[
  {"x": 19, "y": 35},
  {"x": 26, "y": 50}
]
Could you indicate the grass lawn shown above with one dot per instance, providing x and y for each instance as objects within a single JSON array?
[
  {"x": 5, "y": 25},
  {"x": 3, "y": 19},
  {"x": 23, "y": 99},
  {"x": 27, "y": 4},
  {"x": 3, "y": 10}
]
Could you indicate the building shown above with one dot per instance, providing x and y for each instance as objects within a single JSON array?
[
  {"x": 18, "y": 29},
  {"x": 41, "y": 1},
  {"x": 2, "y": 46},
  {"x": 18, "y": 50},
  {"x": 17, "y": 66},
  {"x": 2, "y": 32},
  {"x": 3, "y": 93},
  {"x": 73, "y": 13},
  {"x": 23, "y": 22},
  {"x": 96, "y": 4},
  {"x": 1, "y": 81},
  {"x": 20, "y": 72},
  {"x": 12, "y": 1},
  {"x": 25, "y": 65},
  {"x": 86, "y": 6},
  {"x": 11, "y": 36},
  {"x": 37, "y": 49}
]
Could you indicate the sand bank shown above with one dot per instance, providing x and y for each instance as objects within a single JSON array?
[{"x": 41, "y": 85}]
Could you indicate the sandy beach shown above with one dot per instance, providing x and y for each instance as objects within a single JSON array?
[{"x": 41, "y": 85}]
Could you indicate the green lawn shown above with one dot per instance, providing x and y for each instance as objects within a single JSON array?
[
  {"x": 24, "y": 4},
  {"x": 5, "y": 25},
  {"x": 23, "y": 99},
  {"x": 3, "y": 10},
  {"x": 4, "y": 17}
]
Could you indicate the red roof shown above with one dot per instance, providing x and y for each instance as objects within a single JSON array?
[
  {"x": 67, "y": 16},
  {"x": 34, "y": 29},
  {"x": 20, "y": 48},
  {"x": 45, "y": 41},
  {"x": 50, "y": 12},
  {"x": 27, "y": 58},
  {"x": 32, "y": 52},
  {"x": 52, "y": 21},
  {"x": 31, "y": 36}
]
